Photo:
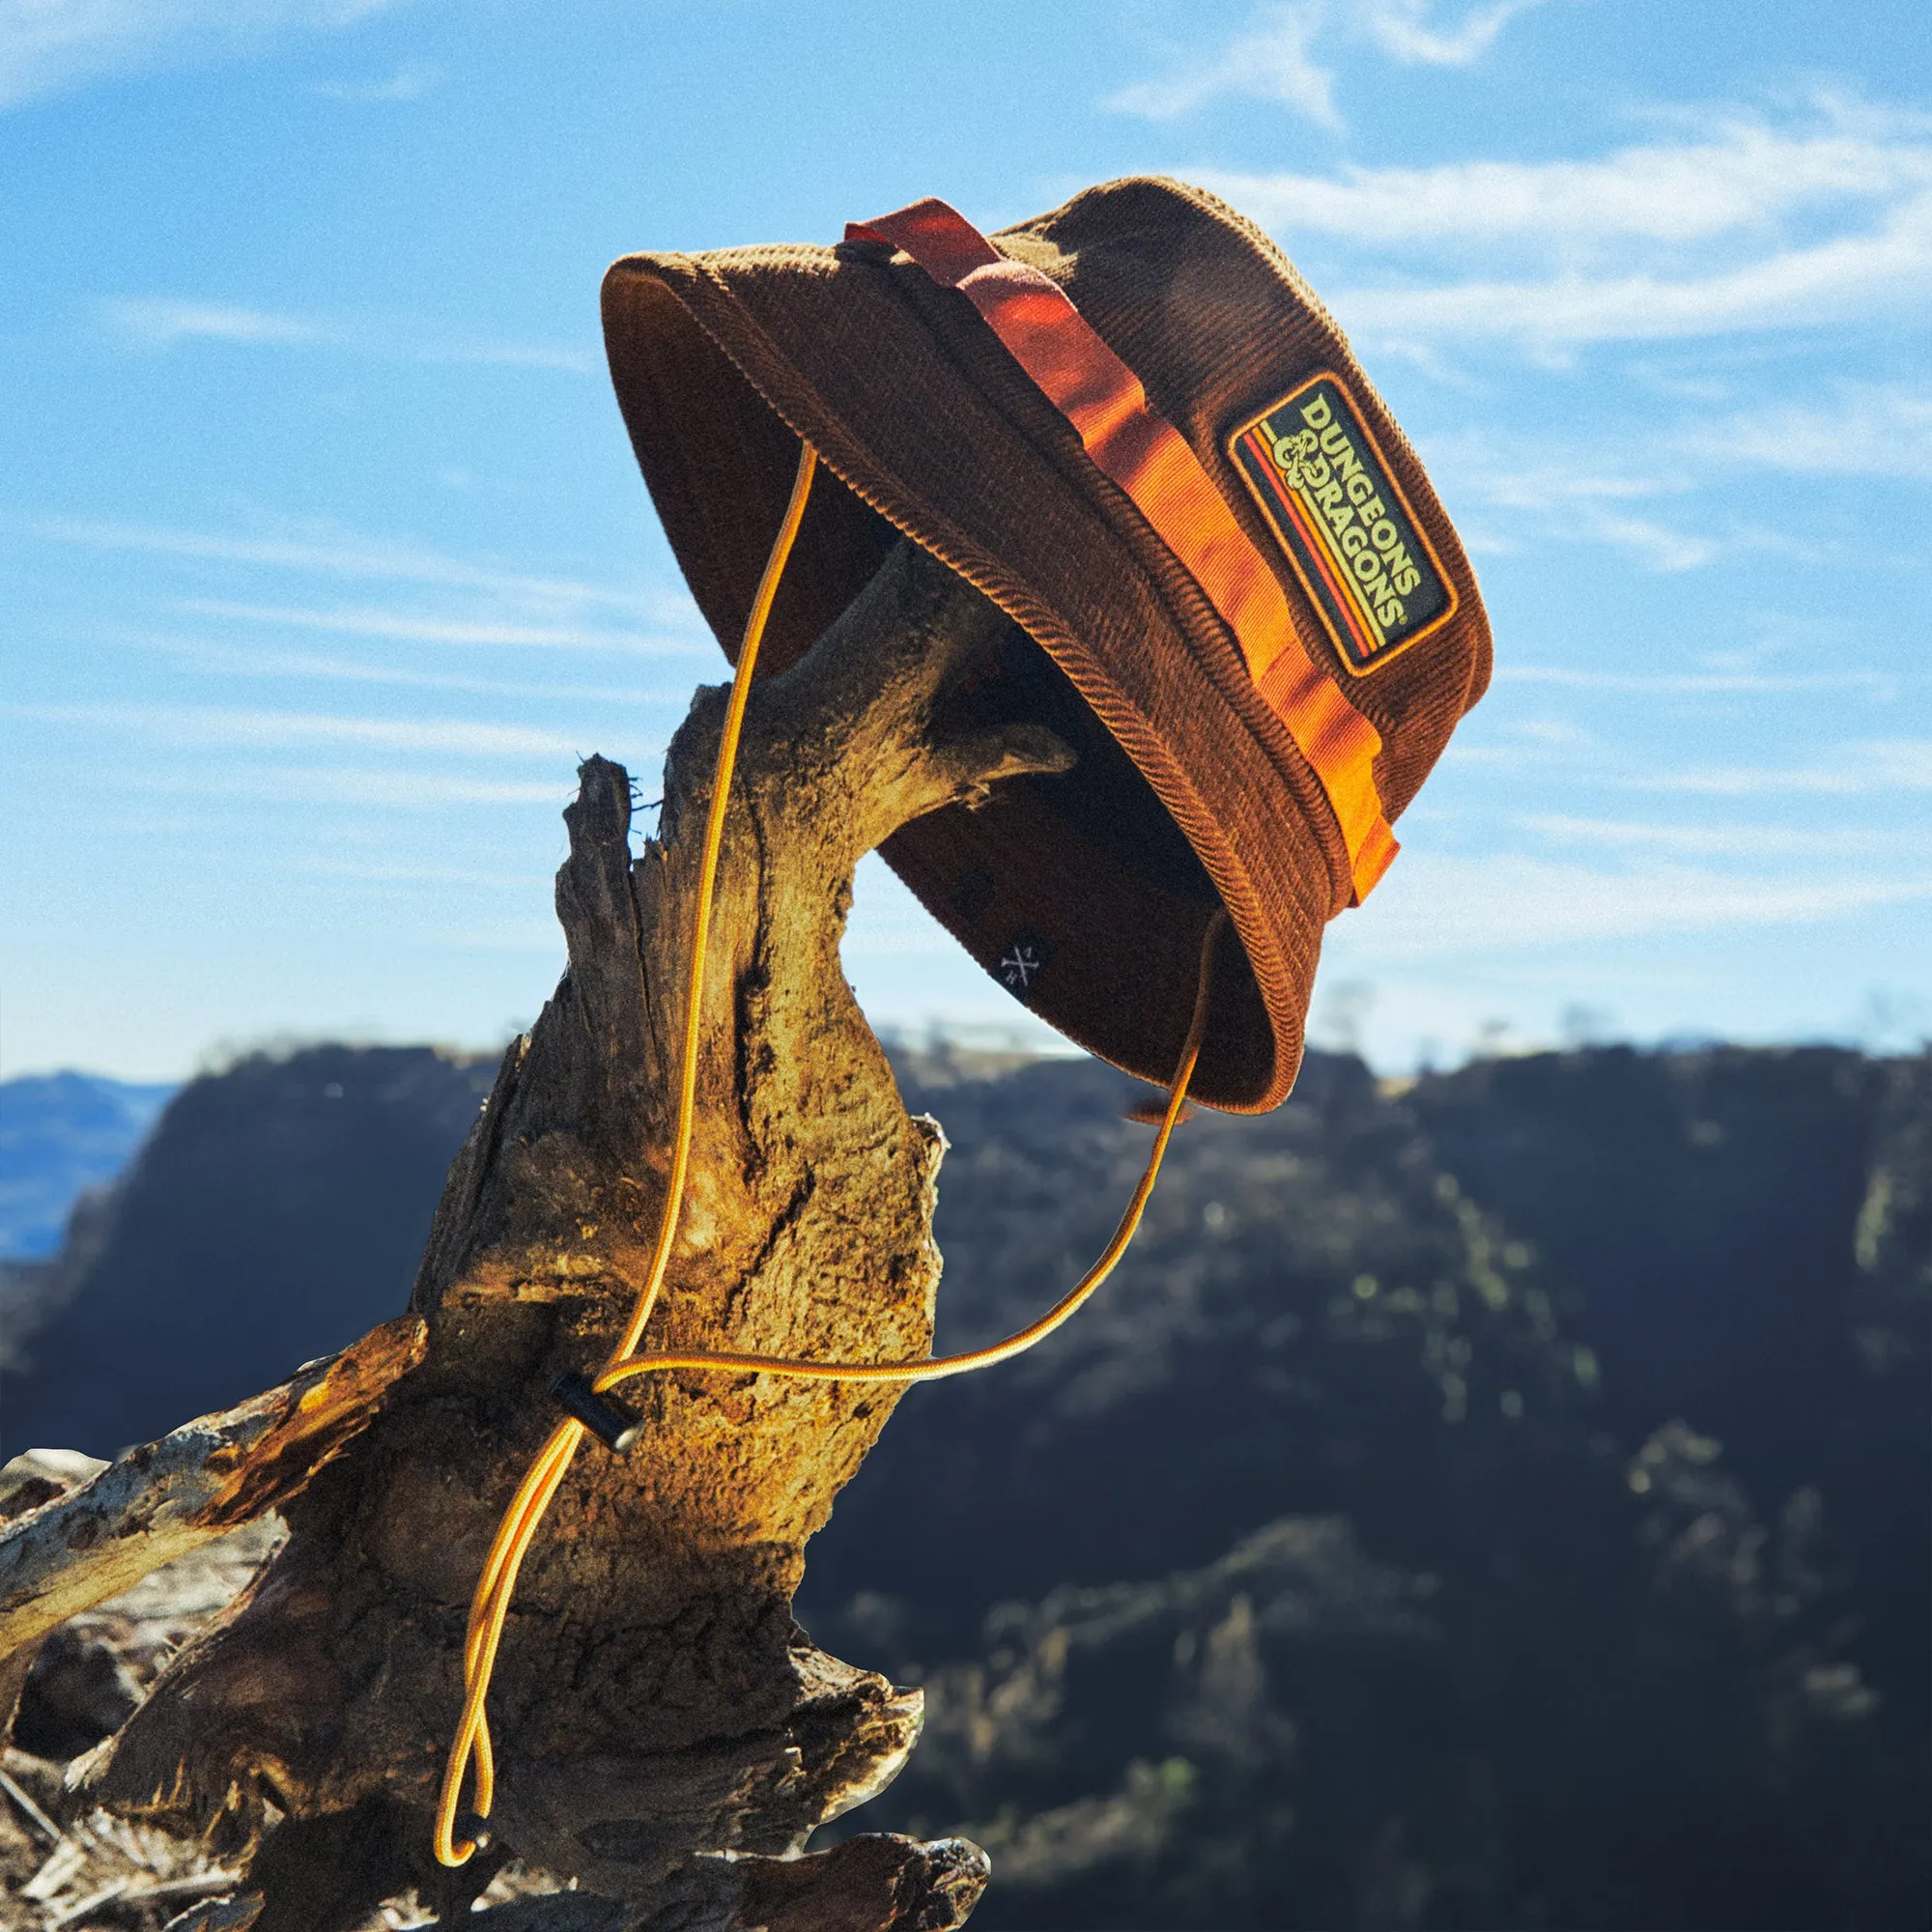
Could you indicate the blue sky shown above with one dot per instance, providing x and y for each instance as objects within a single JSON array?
[{"x": 323, "y": 556}]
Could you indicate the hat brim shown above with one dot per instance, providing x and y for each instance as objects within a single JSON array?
[{"x": 722, "y": 362}]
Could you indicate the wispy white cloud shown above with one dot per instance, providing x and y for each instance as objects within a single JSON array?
[
  {"x": 1740, "y": 223},
  {"x": 1408, "y": 30},
  {"x": 409, "y": 82},
  {"x": 1741, "y": 173},
  {"x": 1274, "y": 58},
  {"x": 351, "y": 786},
  {"x": 199, "y": 727},
  {"x": 161, "y": 325},
  {"x": 46, "y": 45},
  {"x": 1852, "y": 429},
  {"x": 1873, "y": 765},
  {"x": 230, "y": 660},
  {"x": 158, "y": 323},
  {"x": 1570, "y": 500},
  {"x": 1442, "y": 904},
  {"x": 1645, "y": 487},
  {"x": 336, "y": 552},
  {"x": 1885, "y": 273},
  {"x": 1272, "y": 61},
  {"x": 411, "y": 628},
  {"x": 1657, "y": 544},
  {"x": 1720, "y": 841}
]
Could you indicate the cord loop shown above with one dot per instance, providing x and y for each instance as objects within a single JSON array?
[{"x": 589, "y": 1410}]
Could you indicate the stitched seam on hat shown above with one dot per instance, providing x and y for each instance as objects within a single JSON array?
[
  {"x": 1192, "y": 612},
  {"x": 1456, "y": 556},
  {"x": 1182, "y": 593},
  {"x": 1168, "y": 580},
  {"x": 1274, "y": 978}
]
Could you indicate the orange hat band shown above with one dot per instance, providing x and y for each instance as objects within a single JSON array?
[{"x": 1131, "y": 442}]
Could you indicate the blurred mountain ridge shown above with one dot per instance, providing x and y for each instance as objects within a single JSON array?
[
  {"x": 276, "y": 1212},
  {"x": 1495, "y": 1500}
]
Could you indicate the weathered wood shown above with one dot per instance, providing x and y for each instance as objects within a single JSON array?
[
  {"x": 654, "y": 1704},
  {"x": 162, "y": 1500},
  {"x": 878, "y": 1882},
  {"x": 237, "y": 1913}
]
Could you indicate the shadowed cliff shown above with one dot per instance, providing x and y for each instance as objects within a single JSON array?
[
  {"x": 277, "y": 1211},
  {"x": 1499, "y": 1502},
  {"x": 1371, "y": 1544}
]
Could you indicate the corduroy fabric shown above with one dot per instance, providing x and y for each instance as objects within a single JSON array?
[{"x": 723, "y": 360}]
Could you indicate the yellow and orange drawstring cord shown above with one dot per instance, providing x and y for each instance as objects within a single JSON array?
[{"x": 491, "y": 1605}]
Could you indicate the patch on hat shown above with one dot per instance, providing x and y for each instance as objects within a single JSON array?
[{"x": 1346, "y": 527}]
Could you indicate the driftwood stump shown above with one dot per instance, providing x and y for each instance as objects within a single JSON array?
[
  {"x": 655, "y": 1706},
  {"x": 157, "y": 1502}
]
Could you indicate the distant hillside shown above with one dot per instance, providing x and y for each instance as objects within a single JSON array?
[
  {"x": 277, "y": 1211},
  {"x": 1498, "y": 1502},
  {"x": 61, "y": 1133}
]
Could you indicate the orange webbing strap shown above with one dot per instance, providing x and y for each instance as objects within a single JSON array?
[
  {"x": 491, "y": 1605},
  {"x": 1130, "y": 441}
]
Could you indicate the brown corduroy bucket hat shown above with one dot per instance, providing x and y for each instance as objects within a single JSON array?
[{"x": 1130, "y": 424}]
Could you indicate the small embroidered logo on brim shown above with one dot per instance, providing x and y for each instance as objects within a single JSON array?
[
  {"x": 1024, "y": 958},
  {"x": 1328, "y": 496}
]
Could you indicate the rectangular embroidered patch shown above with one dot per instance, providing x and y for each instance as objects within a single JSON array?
[{"x": 1346, "y": 527}]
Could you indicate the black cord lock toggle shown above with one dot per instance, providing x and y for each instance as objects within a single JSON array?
[
  {"x": 471, "y": 1825},
  {"x": 617, "y": 1429}
]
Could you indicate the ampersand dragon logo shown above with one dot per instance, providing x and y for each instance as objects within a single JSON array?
[
  {"x": 1292, "y": 454},
  {"x": 1328, "y": 493}
]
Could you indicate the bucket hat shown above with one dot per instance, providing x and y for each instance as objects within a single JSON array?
[{"x": 1130, "y": 424}]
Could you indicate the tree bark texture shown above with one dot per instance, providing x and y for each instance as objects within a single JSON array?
[
  {"x": 654, "y": 1704},
  {"x": 211, "y": 1475},
  {"x": 159, "y": 1501}
]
